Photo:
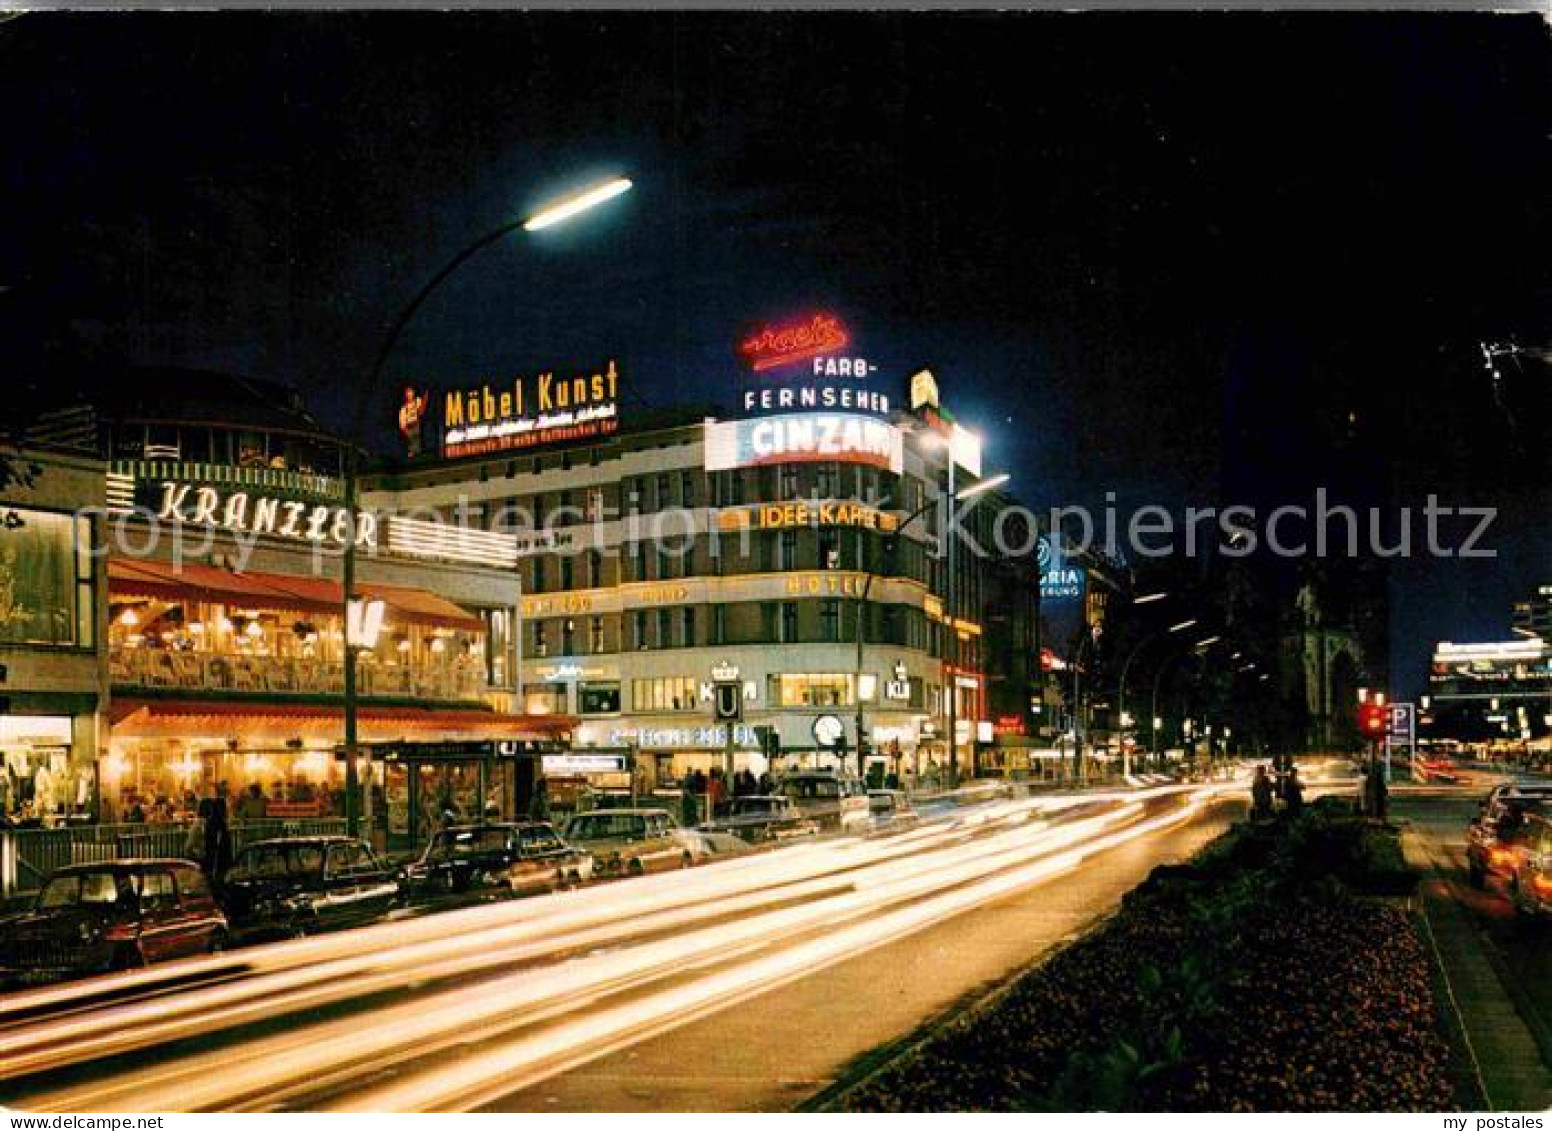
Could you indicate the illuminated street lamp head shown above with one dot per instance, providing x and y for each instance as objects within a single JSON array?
[
  {"x": 1206, "y": 642},
  {"x": 983, "y": 486},
  {"x": 1149, "y": 598},
  {"x": 572, "y": 205},
  {"x": 1183, "y": 625}
]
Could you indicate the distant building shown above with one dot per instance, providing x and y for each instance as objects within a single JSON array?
[
  {"x": 1494, "y": 691},
  {"x": 1534, "y": 615}
]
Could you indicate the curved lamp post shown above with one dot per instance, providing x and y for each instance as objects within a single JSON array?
[
  {"x": 553, "y": 214},
  {"x": 989, "y": 484}
]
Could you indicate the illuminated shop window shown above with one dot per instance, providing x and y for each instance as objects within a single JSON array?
[
  {"x": 669, "y": 693},
  {"x": 810, "y": 690}
]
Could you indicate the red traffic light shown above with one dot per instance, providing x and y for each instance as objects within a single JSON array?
[{"x": 1371, "y": 719}]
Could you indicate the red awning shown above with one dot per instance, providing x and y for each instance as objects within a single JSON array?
[
  {"x": 192, "y": 581},
  {"x": 316, "y": 723}
]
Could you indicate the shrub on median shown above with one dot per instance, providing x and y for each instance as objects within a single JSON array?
[{"x": 1254, "y": 979}]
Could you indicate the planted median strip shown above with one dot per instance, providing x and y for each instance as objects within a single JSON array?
[{"x": 1264, "y": 976}]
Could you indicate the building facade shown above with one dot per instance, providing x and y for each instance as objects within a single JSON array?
[
  {"x": 222, "y": 528},
  {"x": 794, "y": 550},
  {"x": 53, "y": 672}
]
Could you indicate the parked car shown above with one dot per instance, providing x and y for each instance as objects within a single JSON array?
[
  {"x": 298, "y": 885},
  {"x": 545, "y": 862},
  {"x": 1490, "y": 844},
  {"x": 762, "y": 818},
  {"x": 633, "y": 841},
  {"x": 835, "y": 801},
  {"x": 1530, "y": 888},
  {"x": 523, "y": 855},
  {"x": 890, "y": 808},
  {"x": 120, "y": 914}
]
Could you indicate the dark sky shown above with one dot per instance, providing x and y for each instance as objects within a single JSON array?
[{"x": 1185, "y": 258}]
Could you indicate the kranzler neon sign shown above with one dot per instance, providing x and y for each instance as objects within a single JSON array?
[{"x": 775, "y": 346}]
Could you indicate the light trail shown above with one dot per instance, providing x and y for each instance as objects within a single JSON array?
[{"x": 482, "y": 997}]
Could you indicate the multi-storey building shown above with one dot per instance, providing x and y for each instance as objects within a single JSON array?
[
  {"x": 1533, "y": 616},
  {"x": 221, "y": 524},
  {"x": 794, "y": 552}
]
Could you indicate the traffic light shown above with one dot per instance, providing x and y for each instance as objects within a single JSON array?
[{"x": 1371, "y": 720}]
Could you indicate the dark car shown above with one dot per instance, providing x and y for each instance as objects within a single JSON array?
[
  {"x": 524, "y": 855},
  {"x": 763, "y": 818},
  {"x": 114, "y": 915},
  {"x": 298, "y": 885}
]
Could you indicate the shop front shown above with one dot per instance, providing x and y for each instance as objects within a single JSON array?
[{"x": 285, "y": 760}]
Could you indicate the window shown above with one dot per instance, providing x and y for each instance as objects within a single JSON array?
[
  {"x": 687, "y": 489},
  {"x": 595, "y": 635},
  {"x": 687, "y": 626},
  {"x": 829, "y": 690},
  {"x": 598, "y": 698},
  {"x": 639, "y": 629},
  {"x": 595, "y": 569},
  {"x": 156, "y": 889},
  {"x": 665, "y": 628},
  {"x": 665, "y": 562},
  {"x": 568, "y": 634},
  {"x": 827, "y": 481},
  {"x": 669, "y": 693},
  {"x": 192, "y": 884},
  {"x": 567, "y": 569},
  {"x": 538, "y": 574},
  {"x": 595, "y": 504},
  {"x": 829, "y": 550},
  {"x": 735, "y": 492},
  {"x": 541, "y": 646},
  {"x": 718, "y": 624},
  {"x": 789, "y": 622},
  {"x": 787, "y": 550},
  {"x": 664, "y": 491},
  {"x": 787, "y": 481},
  {"x": 829, "y": 621},
  {"x": 45, "y": 559},
  {"x": 638, "y": 561}
]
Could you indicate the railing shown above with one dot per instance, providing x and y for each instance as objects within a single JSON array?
[
  {"x": 272, "y": 478},
  {"x": 206, "y": 671},
  {"x": 27, "y": 856}
]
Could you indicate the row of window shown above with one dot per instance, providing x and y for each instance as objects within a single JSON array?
[
  {"x": 671, "y": 694},
  {"x": 822, "y": 621}
]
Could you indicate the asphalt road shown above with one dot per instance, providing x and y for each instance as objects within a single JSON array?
[
  {"x": 1518, "y": 952},
  {"x": 740, "y": 985}
]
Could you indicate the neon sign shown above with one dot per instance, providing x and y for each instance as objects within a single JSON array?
[
  {"x": 808, "y": 438},
  {"x": 527, "y": 413},
  {"x": 774, "y": 346}
]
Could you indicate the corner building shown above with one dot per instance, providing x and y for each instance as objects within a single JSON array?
[{"x": 654, "y": 570}]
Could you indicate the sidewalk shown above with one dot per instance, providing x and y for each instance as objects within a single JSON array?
[{"x": 1506, "y": 1057}]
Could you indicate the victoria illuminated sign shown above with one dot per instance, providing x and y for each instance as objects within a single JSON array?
[
  {"x": 803, "y": 438},
  {"x": 530, "y": 412},
  {"x": 773, "y": 346}
]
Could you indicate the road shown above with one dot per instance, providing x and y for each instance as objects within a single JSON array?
[
  {"x": 1514, "y": 1040},
  {"x": 743, "y": 984}
]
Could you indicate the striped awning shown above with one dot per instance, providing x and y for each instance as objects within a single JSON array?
[{"x": 324, "y": 724}]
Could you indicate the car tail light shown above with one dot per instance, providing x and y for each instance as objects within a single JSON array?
[
  {"x": 122, "y": 932},
  {"x": 1502, "y": 856},
  {"x": 1542, "y": 884}
]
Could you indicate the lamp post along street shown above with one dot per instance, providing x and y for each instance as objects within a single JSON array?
[{"x": 547, "y": 217}]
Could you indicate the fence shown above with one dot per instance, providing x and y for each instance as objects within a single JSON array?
[{"x": 27, "y": 856}]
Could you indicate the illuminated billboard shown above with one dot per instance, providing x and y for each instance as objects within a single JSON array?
[
  {"x": 804, "y": 438},
  {"x": 525, "y": 412}
]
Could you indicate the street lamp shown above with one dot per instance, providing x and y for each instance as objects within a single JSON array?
[
  {"x": 553, "y": 214},
  {"x": 978, "y": 488},
  {"x": 1126, "y": 757}
]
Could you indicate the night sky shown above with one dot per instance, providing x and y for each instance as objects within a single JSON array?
[{"x": 1184, "y": 258}]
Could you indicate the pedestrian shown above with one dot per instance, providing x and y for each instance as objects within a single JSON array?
[
  {"x": 1379, "y": 792},
  {"x": 539, "y": 805},
  {"x": 194, "y": 843},
  {"x": 1293, "y": 793},
  {"x": 253, "y": 807},
  {"x": 217, "y": 856},
  {"x": 1260, "y": 795}
]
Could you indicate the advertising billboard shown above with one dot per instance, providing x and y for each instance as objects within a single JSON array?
[{"x": 804, "y": 438}]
